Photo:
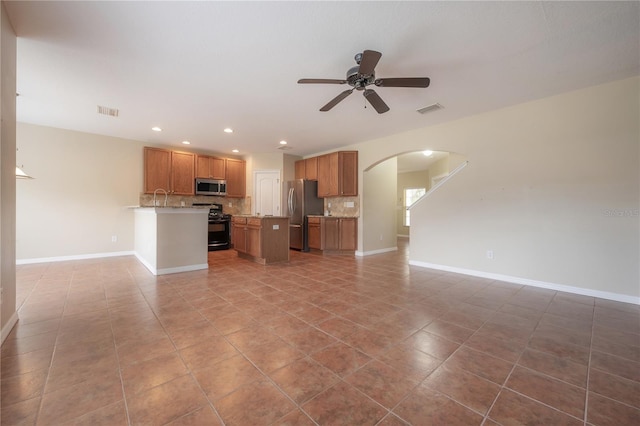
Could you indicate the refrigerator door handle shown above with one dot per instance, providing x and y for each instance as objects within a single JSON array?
[
  {"x": 290, "y": 202},
  {"x": 293, "y": 200}
]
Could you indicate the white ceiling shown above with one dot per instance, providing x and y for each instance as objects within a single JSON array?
[{"x": 194, "y": 68}]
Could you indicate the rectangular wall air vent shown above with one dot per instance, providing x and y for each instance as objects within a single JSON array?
[
  {"x": 113, "y": 112},
  {"x": 430, "y": 108}
]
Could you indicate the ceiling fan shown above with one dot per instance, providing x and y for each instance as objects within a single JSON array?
[{"x": 363, "y": 75}]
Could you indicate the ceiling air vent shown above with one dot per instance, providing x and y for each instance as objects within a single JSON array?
[
  {"x": 113, "y": 112},
  {"x": 430, "y": 108},
  {"x": 285, "y": 148}
]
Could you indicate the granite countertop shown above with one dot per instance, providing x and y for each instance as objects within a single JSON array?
[{"x": 332, "y": 215}]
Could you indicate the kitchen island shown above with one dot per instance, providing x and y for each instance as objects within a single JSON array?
[
  {"x": 170, "y": 240},
  {"x": 263, "y": 239}
]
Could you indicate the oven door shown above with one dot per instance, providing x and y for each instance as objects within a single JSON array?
[{"x": 218, "y": 237}]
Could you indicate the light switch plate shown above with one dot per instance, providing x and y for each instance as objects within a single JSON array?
[{"x": 276, "y": 226}]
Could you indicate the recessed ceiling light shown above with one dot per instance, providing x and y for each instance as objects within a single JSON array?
[
  {"x": 283, "y": 142},
  {"x": 427, "y": 153},
  {"x": 156, "y": 129},
  {"x": 228, "y": 130},
  {"x": 186, "y": 142},
  {"x": 234, "y": 150}
]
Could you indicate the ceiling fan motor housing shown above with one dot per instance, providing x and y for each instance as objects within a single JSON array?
[{"x": 359, "y": 81}]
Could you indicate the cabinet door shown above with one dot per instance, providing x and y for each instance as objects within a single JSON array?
[
  {"x": 348, "y": 234},
  {"x": 182, "y": 173},
  {"x": 311, "y": 168},
  {"x": 235, "y": 178},
  {"x": 300, "y": 169},
  {"x": 348, "y": 173},
  {"x": 328, "y": 175},
  {"x": 239, "y": 237},
  {"x": 217, "y": 168},
  {"x": 202, "y": 166},
  {"x": 157, "y": 169},
  {"x": 253, "y": 242},
  {"x": 331, "y": 234},
  {"x": 315, "y": 236}
]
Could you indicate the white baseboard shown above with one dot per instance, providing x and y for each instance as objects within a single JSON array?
[
  {"x": 379, "y": 251},
  {"x": 533, "y": 283},
  {"x": 175, "y": 270},
  {"x": 9, "y": 326},
  {"x": 187, "y": 268},
  {"x": 73, "y": 257}
]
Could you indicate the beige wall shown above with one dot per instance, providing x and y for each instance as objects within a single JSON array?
[
  {"x": 7, "y": 173},
  {"x": 79, "y": 197},
  {"x": 552, "y": 187},
  {"x": 378, "y": 206}
]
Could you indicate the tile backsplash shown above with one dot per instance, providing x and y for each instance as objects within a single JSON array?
[
  {"x": 233, "y": 206},
  {"x": 342, "y": 206}
]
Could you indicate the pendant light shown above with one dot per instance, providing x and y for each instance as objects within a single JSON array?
[{"x": 21, "y": 175}]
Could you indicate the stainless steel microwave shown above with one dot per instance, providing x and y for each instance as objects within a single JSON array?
[{"x": 211, "y": 187}]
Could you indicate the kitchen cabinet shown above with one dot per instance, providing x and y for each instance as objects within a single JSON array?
[
  {"x": 307, "y": 169},
  {"x": 173, "y": 171},
  {"x": 338, "y": 174},
  {"x": 314, "y": 233},
  {"x": 236, "y": 178},
  {"x": 239, "y": 233},
  {"x": 299, "y": 169},
  {"x": 261, "y": 239},
  {"x": 333, "y": 234},
  {"x": 208, "y": 167}
]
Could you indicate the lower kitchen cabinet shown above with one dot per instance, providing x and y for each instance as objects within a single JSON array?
[
  {"x": 333, "y": 234},
  {"x": 261, "y": 239}
]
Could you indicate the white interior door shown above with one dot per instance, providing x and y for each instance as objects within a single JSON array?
[{"x": 267, "y": 186}]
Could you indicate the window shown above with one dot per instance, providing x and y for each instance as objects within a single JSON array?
[{"x": 411, "y": 195}]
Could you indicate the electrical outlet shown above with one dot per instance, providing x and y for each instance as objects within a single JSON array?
[
  {"x": 230, "y": 205},
  {"x": 114, "y": 238},
  {"x": 181, "y": 203},
  {"x": 276, "y": 227},
  {"x": 380, "y": 237},
  {"x": 349, "y": 204},
  {"x": 490, "y": 254}
]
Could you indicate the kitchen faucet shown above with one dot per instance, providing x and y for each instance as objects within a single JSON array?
[{"x": 154, "y": 196}]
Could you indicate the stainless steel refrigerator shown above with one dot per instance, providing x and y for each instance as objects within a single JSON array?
[{"x": 302, "y": 200}]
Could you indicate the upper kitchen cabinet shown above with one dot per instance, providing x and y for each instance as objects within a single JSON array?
[
  {"x": 236, "y": 178},
  {"x": 307, "y": 169},
  {"x": 338, "y": 174},
  {"x": 172, "y": 171},
  {"x": 208, "y": 167}
]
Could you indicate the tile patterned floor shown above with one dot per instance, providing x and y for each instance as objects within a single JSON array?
[{"x": 318, "y": 341}]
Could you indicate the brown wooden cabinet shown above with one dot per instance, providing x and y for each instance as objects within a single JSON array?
[
  {"x": 300, "y": 169},
  {"x": 239, "y": 233},
  {"x": 333, "y": 234},
  {"x": 208, "y": 167},
  {"x": 338, "y": 174},
  {"x": 307, "y": 169},
  {"x": 261, "y": 239},
  {"x": 236, "y": 178},
  {"x": 314, "y": 233},
  {"x": 173, "y": 171}
]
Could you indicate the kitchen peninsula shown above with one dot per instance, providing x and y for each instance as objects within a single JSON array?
[{"x": 170, "y": 240}]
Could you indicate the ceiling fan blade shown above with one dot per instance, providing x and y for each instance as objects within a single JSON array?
[
  {"x": 369, "y": 61},
  {"x": 320, "y": 81},
  {"x": 403, "y": 82},
  {"x": 336, "y": 100},
  {"x": 376, "y": 101}
]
